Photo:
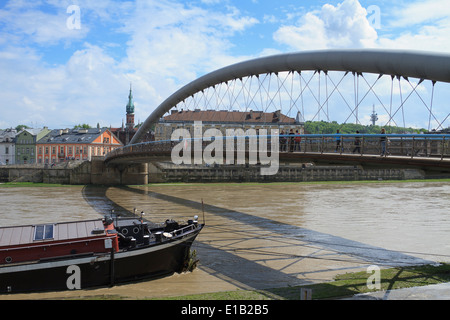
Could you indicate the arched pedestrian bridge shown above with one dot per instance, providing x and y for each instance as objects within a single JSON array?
[{"x": 408, "y": 89}]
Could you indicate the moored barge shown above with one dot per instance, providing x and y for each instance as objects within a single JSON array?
[{"x": 92, "y": 253}]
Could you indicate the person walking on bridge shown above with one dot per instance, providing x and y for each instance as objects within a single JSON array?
[
  {"x": 383, "y": 140},
  {"x": 283, "y": 141},
  {"x": 357, "y": 143},
  {"x": 297, "y": 141},
  {"x": 291, "y": 140},
  {"x": 338, "y": 140}
]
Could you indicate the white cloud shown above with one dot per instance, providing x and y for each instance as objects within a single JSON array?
[
  {"x": 424, "y": 11},
  {"x": 24, "y": 21},
  {"x": 428, "y": 38},
  {"x": 420, "y": 25},
  {"x": 85, "y": 90},
  {"x": 177, "y": 45},
  {"x": 341, "y": 26},
  {"x": 170, "y": 44}
]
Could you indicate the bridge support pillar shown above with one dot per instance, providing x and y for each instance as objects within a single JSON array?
[
  {"x": 136, "y": 174},
  {"x": 155, "y": 173},
  {"x": 130, "y": 174}
]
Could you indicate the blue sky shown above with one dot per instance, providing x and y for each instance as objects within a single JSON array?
[{"x": 59, "y": 69}]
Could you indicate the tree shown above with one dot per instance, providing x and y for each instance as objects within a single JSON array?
[
  {"x": 322, "y": 127},
  {"x": 82, "y": 126},
  {"x": 21, "y": 127}
]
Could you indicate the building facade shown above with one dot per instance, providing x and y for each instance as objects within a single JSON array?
[
  {"x": 75, "y": 144},
  {"x": 7, "y": 146},
  {"x": 223, "y": 120},
  {"x": 25, "y": 150}
]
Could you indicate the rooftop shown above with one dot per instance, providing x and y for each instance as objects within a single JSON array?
[
  {"x": 72, "y": 136},
  {"x": 224, "y": 116}
]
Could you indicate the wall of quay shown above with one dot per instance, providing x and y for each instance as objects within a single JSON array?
[
  {"x": 77, "y": 173},
  {"x": 95, "y": 172},
  {"x": 286, "y": 173}
]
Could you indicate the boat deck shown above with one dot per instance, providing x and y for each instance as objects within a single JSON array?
[{"x": 32, "y": 234}]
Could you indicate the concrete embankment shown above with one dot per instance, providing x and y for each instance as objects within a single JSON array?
[
  {"x": 76, "y": 173},
  {"x": 67, "y": 173},
  {"x": 95, "y": 172},
  {"x": 165, "y": 172}
]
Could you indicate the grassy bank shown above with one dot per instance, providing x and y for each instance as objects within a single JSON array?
[{"x": 345, "y": 285}]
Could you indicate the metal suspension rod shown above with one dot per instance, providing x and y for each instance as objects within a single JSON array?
[
  {"x": 335, "y": 89},
  {"x": 420, "y": 97},
  {"x": 431, "y": 106},
  {"x": 403, "y": 102},
  {"x": 326, "y": 92},
  {"x": 401, "y": 98}
]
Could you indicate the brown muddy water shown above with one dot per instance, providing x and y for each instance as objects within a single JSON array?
[{"x": 260, "y": 236}]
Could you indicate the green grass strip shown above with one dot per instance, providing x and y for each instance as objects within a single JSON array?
[{"x": 344, "y": 285}]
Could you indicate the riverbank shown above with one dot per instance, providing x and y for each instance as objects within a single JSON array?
[{"x": 344, "y": 285}]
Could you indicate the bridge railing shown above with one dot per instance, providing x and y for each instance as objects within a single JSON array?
[
  {"x": 406, "y": 145},
  {"x": 409, "y": 145}
]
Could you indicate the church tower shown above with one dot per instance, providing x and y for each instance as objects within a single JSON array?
[{"x": 130, "y": 111}]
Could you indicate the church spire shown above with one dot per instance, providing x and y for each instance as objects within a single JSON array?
[
  {"x": 130, "y": 111},
  {"x": 130, "y": 105}
]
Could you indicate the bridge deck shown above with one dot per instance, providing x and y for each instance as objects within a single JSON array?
[{"x": 427, "y": 152}]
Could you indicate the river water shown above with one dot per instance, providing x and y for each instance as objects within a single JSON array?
[{"x": 261, "y": 235}]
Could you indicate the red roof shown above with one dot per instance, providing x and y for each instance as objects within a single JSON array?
[{"x": 254, "y": 117}]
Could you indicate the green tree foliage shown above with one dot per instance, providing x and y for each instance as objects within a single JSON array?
[
  {"x": 82, "y": 126},
  {"x": 322, "y": 127},
  {"x": 21, "y": 127}
]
